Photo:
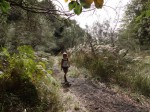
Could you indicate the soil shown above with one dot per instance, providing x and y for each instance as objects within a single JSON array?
[{"x": 99, "y": 97}]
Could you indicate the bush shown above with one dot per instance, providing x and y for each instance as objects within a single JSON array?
[
  {"x": 103, "y": 63},
  {"x": 25, "y": 81},
  {"x": 109, "y": 64}
]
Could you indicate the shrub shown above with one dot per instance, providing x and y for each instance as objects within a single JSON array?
[
  {"x": 25, "y": 81},
  {"x": 110, "y": 64},
  {"x": 103, "y": 63}
]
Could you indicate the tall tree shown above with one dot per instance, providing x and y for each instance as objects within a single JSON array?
[{"x": 136, "y": 25}]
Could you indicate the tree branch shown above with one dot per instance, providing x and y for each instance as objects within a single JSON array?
[{"x": 38, "y": 9}]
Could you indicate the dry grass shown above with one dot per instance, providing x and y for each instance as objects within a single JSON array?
[
  {"x": 129, "y": 72},
  {"x": 71, "y": 103}
]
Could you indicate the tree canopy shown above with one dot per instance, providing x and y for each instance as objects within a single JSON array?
[{"x": 136, "y": 25}]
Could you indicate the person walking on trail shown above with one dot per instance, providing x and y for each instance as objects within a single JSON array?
[{"x": 65, "y": 65}]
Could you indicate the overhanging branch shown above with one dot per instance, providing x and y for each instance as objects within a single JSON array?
[{"x": 38, "y": 9}]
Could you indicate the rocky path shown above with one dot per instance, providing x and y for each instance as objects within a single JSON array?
[{"x": 99, "y": 98}]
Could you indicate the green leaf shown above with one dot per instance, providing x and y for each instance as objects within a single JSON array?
[
  {"x": 78, "y": 9},
  {"x": 4, "y": 6},
  {"x": 5, "y": 52},
  {"x": 148, "y": 13},
  {"x": 4, "y": 10},
  {"x": 49, "y": 71},
  {"x": 84, "y": 4},
  {"x": 72, "y": 5},
  {"x": 138, "y": 18}
]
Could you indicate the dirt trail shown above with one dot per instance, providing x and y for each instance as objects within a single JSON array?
[{"x": 99, "y": 98}]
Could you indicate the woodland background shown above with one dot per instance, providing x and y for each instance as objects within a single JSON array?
[{"x": 32, "y": 32}]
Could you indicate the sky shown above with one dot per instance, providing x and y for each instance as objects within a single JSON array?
[{"x": 112, "y": 11}]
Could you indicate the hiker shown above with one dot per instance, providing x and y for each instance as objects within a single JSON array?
[{"x": 65, "y": 65}]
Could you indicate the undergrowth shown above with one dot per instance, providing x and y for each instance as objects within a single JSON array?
[
  {"x": 110, "y": 66},
  {"x": 26, "y": 83}
]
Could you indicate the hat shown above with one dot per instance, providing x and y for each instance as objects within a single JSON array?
[{"x": 64, "y": 53}]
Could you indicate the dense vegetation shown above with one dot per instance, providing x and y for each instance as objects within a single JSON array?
[
  {"x": 30, "y": 33},
  {"x": 44, "y": 32},
  {"x": 26, "y": 82},
  {"x": 25, "y": 75},
  {"x": 134, "y": 33},
  {"x": 120, "y": 57}
]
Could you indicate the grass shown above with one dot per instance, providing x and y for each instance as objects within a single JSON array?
[
  {"x": 131, "y": 94},
  {"x": 78, "y": 72},
  {"x": 126, "y": 72},
  {"x": 71, "y": 103}
]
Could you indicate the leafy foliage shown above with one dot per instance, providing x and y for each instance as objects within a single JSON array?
[
  {"x": 71, "y": 36},
  {"x": 24, "y": 80},
  {"x": 77, "y": 6},
  {"x": 136, "y": 24},
  {"x": 4, "y": 6},
  {"x": 42, "y": 32}
]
